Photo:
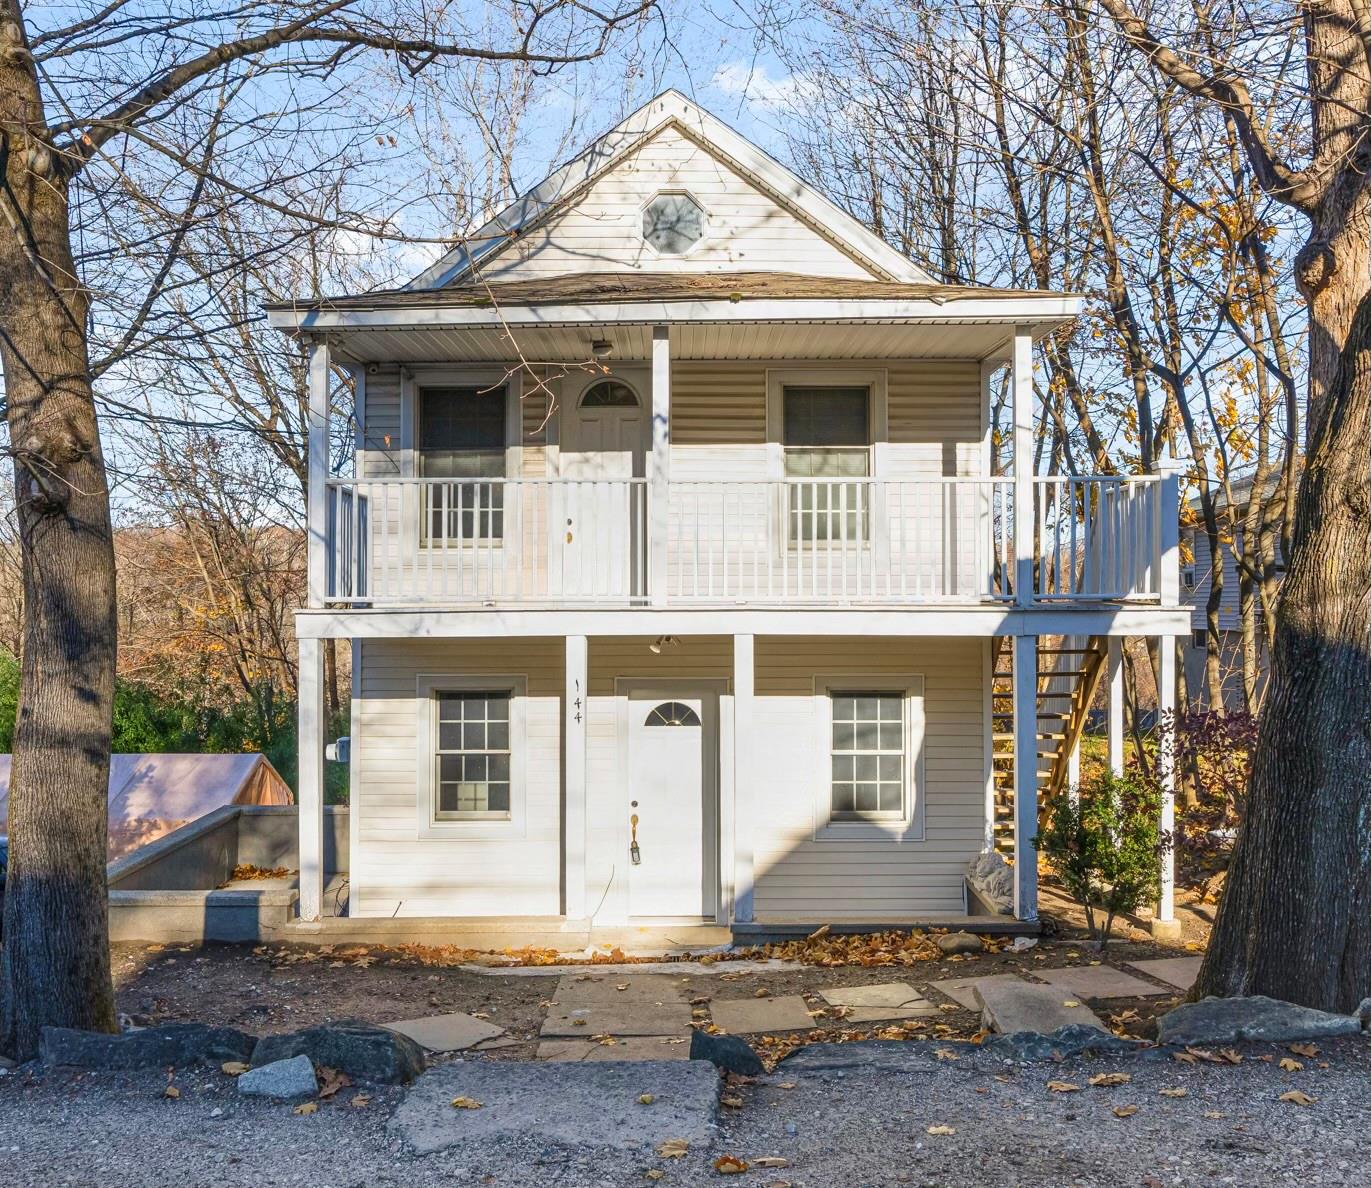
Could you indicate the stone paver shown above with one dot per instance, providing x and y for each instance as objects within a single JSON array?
[
  {"x": 583, "y": 989},
  {"x": 963, "y": 990},
  {"x": 1180, "y": 972},
  {"x": 871, "y": 1004},
  {"x": 750, "y": 1016},
  {"x": 633, "y": 1048},
  {"x": 1010, "y": 1007},
  {"x": 1098, "y": 981},
  {"x": 613, "y": 1018},
  {"x": 583, "y": 1105},
  {"x": 446, "y": 1033}
]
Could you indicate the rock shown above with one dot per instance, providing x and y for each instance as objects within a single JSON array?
[
  {"x": 364, "y": 1052},
  {"x": 1023, "y": 943},
  {"x": 1016, "y": 1006},
  {"x": 175, "y": 1045},
  {"x": 1363, "y": 1012},
  {"x": 1076, "y": 1039},
  {"x": 961, "y": 942},
  {"x": 283, "y": 1080},
  {"x": 1226, "y": 1020},
  {"x": 728, "y": 1052},
  {"x": 992, "y": 878}
]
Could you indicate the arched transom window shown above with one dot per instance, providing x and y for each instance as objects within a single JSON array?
[
  {"x": 609, "y": 394},
  {"x": 672, "y": 713}
]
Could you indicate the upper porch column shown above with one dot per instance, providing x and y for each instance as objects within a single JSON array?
[
  {"x": 659, "y": 474},
  {"x": 316, "y": 511},
  {"x": 1021, "y": 396}
]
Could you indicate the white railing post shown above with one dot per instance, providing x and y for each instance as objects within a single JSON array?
[
  {"x": 317, "y": 457},
  {"x": 1114, "y": 677},
  {"x": 1021, "y": 392},
  {"x": 1168, "y": 546},
  {"x": 659, "y": 493},
  {"x": 310, "y": 778}
]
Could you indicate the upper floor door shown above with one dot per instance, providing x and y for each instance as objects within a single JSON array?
[{"x": 605, "y": 432}]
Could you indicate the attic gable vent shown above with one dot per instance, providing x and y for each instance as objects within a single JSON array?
[{"x": 673, "y": 223}]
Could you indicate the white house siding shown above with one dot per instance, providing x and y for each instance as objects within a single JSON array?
[
  {"x": 798, "y": 877},
  {"x": 601, "y": 230},
  {"x": 1230, "y": 619},
  {"x": 394, "y": 871}
]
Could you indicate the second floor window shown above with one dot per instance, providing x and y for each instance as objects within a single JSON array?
[
  {"x": 462, "y": 437},
  {"x": 826, "y": 437}
]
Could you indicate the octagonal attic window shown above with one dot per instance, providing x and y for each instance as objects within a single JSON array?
[{"x": 673, "y": 223}]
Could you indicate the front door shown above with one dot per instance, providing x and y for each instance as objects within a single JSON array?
[
  {"x": 604, "y": 513},
  {"x": 671, "y": 813}
]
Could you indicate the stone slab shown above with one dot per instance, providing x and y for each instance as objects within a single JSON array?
[
  {"x": 612, "y": 1018},
  {"x": 282, "y": 1080},
  {"x": 872, "y": 1004},
  {"x": 631, "y": 1048},
  {"x": 962, "y": 991},
  {"x": 583, "y": 989},
  {"x": 1098, "y": 981},
  {"x": 1228, "y": 1020},
  {"x": 1010, "y": 1008},
  {"x": 1180, "y": 972},
  {"x": 584, "y": 1105},
  {"x": 446, "y": 1033},
  {"x": 752, "y": 1016}
]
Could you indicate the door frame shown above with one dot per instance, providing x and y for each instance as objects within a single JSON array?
[{"x": 714, "y": 696}]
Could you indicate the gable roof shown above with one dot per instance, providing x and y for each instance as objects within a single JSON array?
[{"x": 670, "y": 109}]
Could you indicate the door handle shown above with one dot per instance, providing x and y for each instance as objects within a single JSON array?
[{"x": 635, "y": 855}]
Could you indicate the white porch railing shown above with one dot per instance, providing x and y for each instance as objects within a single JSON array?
[{"x": 808, "y": 542}]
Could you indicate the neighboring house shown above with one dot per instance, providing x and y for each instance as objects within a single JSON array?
[
  {"x": 151, "y": 795},
  {"x": 673, "y": 565},
  {"x": 1197, "y": 576}
]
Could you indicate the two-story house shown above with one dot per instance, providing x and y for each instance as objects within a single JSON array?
[{"x": 675, "y": 569}]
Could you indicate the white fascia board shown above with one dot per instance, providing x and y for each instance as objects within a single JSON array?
[
  {"x": 671, "y": 107},
  {"x": 978, "y": 621},
  {"x": 1028, "y": 310}
]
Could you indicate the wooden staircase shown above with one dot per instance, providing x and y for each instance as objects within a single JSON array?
[{"x": 1069, "y": 673}]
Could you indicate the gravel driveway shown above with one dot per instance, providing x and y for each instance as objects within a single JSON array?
[{"x": 852, "y": 1115}]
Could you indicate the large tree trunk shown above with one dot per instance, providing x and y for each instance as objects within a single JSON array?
[
  {"x": 55, "y": 963},
  {"x": 1295, "y": 919}
]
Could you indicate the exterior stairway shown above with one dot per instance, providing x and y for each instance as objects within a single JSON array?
[{"x": 1069, "y": 673}]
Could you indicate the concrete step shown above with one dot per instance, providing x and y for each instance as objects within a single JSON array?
[{"x": 1022, "y": 1006}]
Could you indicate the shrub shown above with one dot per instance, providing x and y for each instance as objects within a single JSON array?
[{"x": 1106, "y": 846}]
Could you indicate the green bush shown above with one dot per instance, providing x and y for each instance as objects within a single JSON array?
[{"x": 1106, "y": 846}]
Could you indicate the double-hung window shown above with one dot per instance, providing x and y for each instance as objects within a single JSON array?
[
  {"x": 472, "y": 754},
  {"x": 826, "y": 438},
  {"x": 462, "y": 438},
  {"x": 868, "y": 750}
]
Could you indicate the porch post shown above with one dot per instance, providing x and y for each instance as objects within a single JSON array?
[
  {"x": 1073, "y": 772},
  {"x": 310, "y": 773},
  {"x": 1164, "y": 924},
  {"x": 659, "y": 474},
  {"x": 1115, "y": 679},
  {"x": 1021, "y": 391},
  {"x": 744, "y": 793},
  {"x": 317, "y": 452},
  {"x": 1026, "y": 777},
  {"x": 574, "y": 707},
  {"x": 1169, "y": 532}
]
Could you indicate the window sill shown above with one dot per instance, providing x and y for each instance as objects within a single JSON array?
[{"x": 893, "y": 829}]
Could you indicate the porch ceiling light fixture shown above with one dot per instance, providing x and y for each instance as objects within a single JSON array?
[
  {"x": 661, "y": 642},
  {"x": 601, "y": 349}
]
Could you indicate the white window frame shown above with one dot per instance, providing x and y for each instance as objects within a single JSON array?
[
  {"x": 675, "y": 192},
  {"x": 908, "y": 825},
  {"x": 496, "y": 826}
]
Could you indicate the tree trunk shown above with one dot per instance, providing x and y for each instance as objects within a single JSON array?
[
  {"x": 1295, "y": 918},
  {"x": 54, "y": 969}
]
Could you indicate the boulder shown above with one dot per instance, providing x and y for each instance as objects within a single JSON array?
[
  {"x": 174, "y": 1045},
  {"x": 363, "y": 1051},
  {"x": 1363, "y": 1013},
  {"x": 1075, "y": 1039},
  {"x": 992, "y": 878},
  {"x": 283, "y": 1080},
  {"x": 727, "y": 1052},
  {"x": 960, "y": 942},
  {"x": 1227, "y": 1020}
]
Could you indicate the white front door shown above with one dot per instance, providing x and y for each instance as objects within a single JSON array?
[{"x": 671, "y": 809}]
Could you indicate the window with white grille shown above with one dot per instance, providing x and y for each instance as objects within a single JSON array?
[
  {"x": 472, "y": 755},
  {"x": 868, "y": 754}
]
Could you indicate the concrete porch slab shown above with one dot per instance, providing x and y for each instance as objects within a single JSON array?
[
  {"x": 583, "y": 989},
  {"x": 751, "y": 1016},
  {"x": 1098, "y": 981},
  {"x": 618, "y": 1019},
  {"x": 1180, "y": 972},
  {"x": 630, "y": 1048},
  {"x": 446, "y": 1033},
  {"x": 1012, "y": 1006}
]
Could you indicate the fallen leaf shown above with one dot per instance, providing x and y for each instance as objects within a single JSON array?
[
  {"x": 331, "y": 1080},
  {"x": 361, "y": 1101},
  {"x": 673, "y": 1148},
  {"x": 1231, "y": 1055},
  {"x": 1177, "y": 1091},
  {"x": 786, "y": 1085},
  {"x": 1214, "y": 1114},
  {"x": 1063, "y": 1087},
  {"x": 1295, "y": 1097},
  {"x": 942, "y": 1130},
  {"x": 1110, "y": 1079},
  {"x": 1125, "y": 1111},
  {"x": 465, "y": 1103},
  {"x": 172, "y": 1092},
  {"x": 655, "y": 1173},
  {"x": 760, "y": 992},
  {"x": 946, "y": 1054},
  {"x": 646, "y": 1099},
  {"x": 1310, "y": 1050},
  {"x": 233, "y": 1068},
  {"x": 730, "y": 1165},
  {"x": 1185, "y": 1057},
  {"x": 621, "y": 986},
  {"x": 1289, "y": 1065},
  {"x": 305, "y": 1108},
  {"x": 731, "y": 1100},
  {"x": 1070, "y": 1002},
  {"x": 771, "y": 1161},
  {"x": 578, "y": 1022}
]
